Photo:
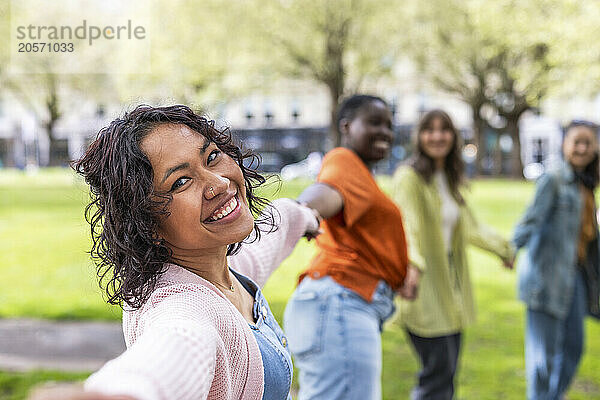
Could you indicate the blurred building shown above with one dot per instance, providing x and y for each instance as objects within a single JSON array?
[
  {"x": 283, "y": 126},
  {"x": 541, "y": 141},
  {"x": 24, "y": 141}
]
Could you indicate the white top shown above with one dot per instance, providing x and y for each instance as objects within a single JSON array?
[{"x": 450, "y": 209}]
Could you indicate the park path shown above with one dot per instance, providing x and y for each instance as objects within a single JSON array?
[{"x": 27, "y": 344}]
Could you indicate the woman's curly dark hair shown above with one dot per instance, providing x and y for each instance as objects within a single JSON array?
[{"x": 125, "y": 211}]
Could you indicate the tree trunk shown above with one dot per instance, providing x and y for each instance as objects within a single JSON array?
[
  {"x": 336, "y": 38},
  {"x": 52, "y": 141},
  {"x": 479, "y": 139},
  {"x": 335, "y": 83},
  {"x": 54, "y": 114},
  {"x": 497, "y": 157},
  {"x": 334, "y": 134},
  {"x": 512, "y": 126}
]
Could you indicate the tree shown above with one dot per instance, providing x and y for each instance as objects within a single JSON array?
[
  {"x": 41, "y": 82},
  {"x": 48, "y": 95},
  {"x": 190, "y": 54},
  {"x": 497, "y": 57},
  {"x": 578, "y": 30},
  {"x": 40, "y": 94},
  {"x": 338, "y": 44},
  {"x": 5, "y": 32}
]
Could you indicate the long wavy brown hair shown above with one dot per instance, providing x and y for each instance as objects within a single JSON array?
[
  {"x": 454, "y": 166},
  {"x": 590, "y": 176},
  {"x": 124, "y": 210}
]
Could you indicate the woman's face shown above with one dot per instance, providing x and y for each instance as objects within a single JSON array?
[
  {"x": 580, "y": 146},
  {"x": 369, "y": 133},
  {"x": 188, "y": 165},
  {"x": 436, "y": 141}
]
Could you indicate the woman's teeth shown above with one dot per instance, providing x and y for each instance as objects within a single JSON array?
[
  {"x": 225, "y": 210},
  {"x": 381, "y": 143}
]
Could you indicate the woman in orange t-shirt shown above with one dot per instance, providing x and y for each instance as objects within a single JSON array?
[{"x": 334, "y": 318}]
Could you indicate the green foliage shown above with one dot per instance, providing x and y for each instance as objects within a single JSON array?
[
  {"x": 4, "y": 31},
  {"x": 339, "y": 45},
  {"x": 502, "y": 58},
  {"x": 491, "y": 48},
  {"x": 194, "y": 48},
  {"x": 308, "y": 36}
]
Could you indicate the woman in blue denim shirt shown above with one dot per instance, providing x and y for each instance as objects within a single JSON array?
[{"x": 558, "y": 274}]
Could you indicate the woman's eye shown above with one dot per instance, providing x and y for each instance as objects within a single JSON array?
[
  {"x": 212, "y": 156},
  {"x": 179, "y": 183}
]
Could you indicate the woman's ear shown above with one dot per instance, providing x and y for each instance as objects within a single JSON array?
[{"x": 344, "y": 126}]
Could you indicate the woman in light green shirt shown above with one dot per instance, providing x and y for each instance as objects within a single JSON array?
[{"x": 438, "y": 226}]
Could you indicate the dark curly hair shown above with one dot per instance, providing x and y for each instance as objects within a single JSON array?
[
  {"x": 125, "y": 211},
  {"x": 454, "y": 165}
]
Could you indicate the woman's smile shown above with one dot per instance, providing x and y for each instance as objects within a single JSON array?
[
  {"x": 381, "y": 143},
  {"x": 225, "y": 213},
  {"x": 209, "y": 208}
]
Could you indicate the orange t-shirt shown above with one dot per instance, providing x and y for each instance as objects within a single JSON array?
[{"x": 365, "y": 242}]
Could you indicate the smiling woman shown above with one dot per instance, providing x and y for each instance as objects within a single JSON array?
[
  {"x": 559, "y": 276},
  {"x": 148, "y": 173},
  {"x": 335, "y": 316},
  {"x": 172, "y": 203},
  {"x": 196, "y": 169},
  {"x": 439, "y": 226}
]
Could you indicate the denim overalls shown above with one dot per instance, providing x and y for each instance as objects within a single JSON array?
[{"x": 276, "y": 358}]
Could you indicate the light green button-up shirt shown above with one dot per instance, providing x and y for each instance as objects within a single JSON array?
[{"x": 445, "y": 301}]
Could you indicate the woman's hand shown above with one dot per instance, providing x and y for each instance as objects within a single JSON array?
[
  {"x": 315, "y": 230},
  {"x": 509, "y": 263},
  {"x": 509, "y": 260},
  {"x": 410, "y": 288},
  {"x": 70, "y": 391}
]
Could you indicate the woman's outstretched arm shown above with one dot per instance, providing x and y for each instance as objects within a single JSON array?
[
  {"x": 321, "y": 197},
  {"x": 258, "y": 259}
]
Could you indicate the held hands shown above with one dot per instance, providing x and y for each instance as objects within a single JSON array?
[
  {"x": 313, "y": 231},
  {"x": 410, "y": 288},
  {"x": 509, "y": 263}
]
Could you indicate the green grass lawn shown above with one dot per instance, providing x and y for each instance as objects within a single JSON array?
[
  {"x": 16, "y": 386},
  {"x": 45, "y": 272}
]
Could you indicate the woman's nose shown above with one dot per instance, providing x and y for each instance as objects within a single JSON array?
[
  {"x": 216, "y": 185},
  {"x": 583, "y": 148},
  {"x": 438, "y": 134}
]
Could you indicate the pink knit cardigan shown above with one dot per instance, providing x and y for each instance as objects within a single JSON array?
[{"x": 188, "y": 341}]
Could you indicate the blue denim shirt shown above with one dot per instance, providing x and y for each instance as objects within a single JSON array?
[
  {"x": 550, "y": 230},
  {"x": 277, "y": 361}
]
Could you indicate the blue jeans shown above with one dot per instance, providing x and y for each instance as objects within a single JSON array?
[
  {"x": 335, "y": 337},
  {"x": 553, "y": 347}
]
